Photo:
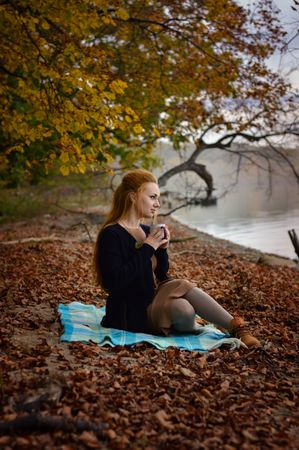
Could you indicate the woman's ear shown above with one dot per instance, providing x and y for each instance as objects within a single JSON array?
[{"x": 132, "y": 196}]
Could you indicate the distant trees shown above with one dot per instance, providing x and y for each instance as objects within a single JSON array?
[{"x": 86, "y": 84}]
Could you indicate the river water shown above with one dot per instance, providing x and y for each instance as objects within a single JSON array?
[
  {"x": 254, "y": 222},
  {"x": 250, "y": 214}
]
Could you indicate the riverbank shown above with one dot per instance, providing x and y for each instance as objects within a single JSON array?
[{"x": 139, "y": 397}]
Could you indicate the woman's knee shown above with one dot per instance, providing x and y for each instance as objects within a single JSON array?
[{"x": 182, "y": 313}]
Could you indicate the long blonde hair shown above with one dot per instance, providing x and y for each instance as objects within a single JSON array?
[{"x": 121, "y": 203}]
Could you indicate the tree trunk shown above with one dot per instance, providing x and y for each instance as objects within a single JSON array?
[{"x": 191, "y": 166}]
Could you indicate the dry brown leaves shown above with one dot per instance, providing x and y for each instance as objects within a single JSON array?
[{"x": 141, "y": 397}]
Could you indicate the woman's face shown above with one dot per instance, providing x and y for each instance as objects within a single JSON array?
[{"x": 147, "y": 201}]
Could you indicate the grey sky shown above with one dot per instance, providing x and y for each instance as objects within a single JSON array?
[{"x": 284, "y": 62}]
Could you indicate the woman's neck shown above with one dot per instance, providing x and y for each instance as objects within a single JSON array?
[{"x": 133, "y": 223}]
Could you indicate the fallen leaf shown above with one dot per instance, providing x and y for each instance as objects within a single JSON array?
[
  {"x": 111, "y": 434},
  {"x": 164, "y": 420},
  {"x": 89, "y": 439},
  {"x": 187, "y": 372},
  {"x": 225, "y": 385},
  {"x": 249, "y": 435},
  {"x": 4, "y": 440}
]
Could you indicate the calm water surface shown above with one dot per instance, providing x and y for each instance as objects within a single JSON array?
[
  {"x": 252, "y": 219},
  {"x": 248, "y": 214}
]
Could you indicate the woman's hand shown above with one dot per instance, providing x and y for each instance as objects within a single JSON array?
[
  {"x": 156, "y": 238},
  {"x": 167, "y": 232}
]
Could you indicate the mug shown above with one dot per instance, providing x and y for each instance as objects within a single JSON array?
[{"x": 159, "y": 225}]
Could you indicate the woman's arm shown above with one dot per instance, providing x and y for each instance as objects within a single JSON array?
[{"x": 162, "y": 264}]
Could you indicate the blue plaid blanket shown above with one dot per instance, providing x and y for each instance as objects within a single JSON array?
[{"x": 83, "y": 323}]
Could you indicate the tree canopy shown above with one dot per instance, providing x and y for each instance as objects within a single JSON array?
[{"x": 84, "y": 83}]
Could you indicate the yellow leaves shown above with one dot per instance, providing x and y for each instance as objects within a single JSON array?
[
  {"x": 82, "y": 167},
  {"x": 75, "y": 126},
  {"x": 157, "y": 132},
  {"x": 64, "y": 170},
  {"x": 47, "y": 133},
  {"x": 72, "y": 162},
  {"x": 77, "y": 149},
  {"x": 103, "y": 4},
  {"x": 76, "y": 84},
  {"x": 40, "y": 115},
  {"x": 137, "y": 129},
  {"x": 118, "y": 86},
  {"x": 101, "y": 129},
  {"x": 68, "y": 93},
  {"x": 129, "y": 111},
  {"x": 109, "y": 158},
  {"x": 49, "y": 72},
  {"x": 88, "y": 135},
  {"x": 64, "y": 157},
  {"x": 45, "y": 25},
  {"x": 114, "y": 141},
  {"x": 122, "y": 13},
  {"x": 101, "y": 85},
  {"x": 58, "y": 124},
  {"x": 107, "y": 20},
  {"x": 109, "y": 95},
  {"x": 15, "y": 148},
  {"x": 31, "y": 25}
]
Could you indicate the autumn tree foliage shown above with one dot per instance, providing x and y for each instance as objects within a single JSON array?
[
  {"x": 59, "y": 92},
  {"x": 86, "y": 83}
]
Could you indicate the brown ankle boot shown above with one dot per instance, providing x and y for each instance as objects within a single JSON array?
[{"x": 239, "y": 330}]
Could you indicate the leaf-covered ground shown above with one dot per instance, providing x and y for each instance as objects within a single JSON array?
[{"x": 70, "y": 396}]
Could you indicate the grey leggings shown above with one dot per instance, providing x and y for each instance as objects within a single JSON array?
[{"x": 196, "y": 301}]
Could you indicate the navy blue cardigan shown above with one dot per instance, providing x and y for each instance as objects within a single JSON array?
[{"x": 128, "y": 277}]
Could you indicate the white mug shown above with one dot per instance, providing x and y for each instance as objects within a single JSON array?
[{"x": 158, "y": 225}]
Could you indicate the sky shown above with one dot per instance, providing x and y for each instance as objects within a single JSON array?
[{"x": 290, "y": 20}]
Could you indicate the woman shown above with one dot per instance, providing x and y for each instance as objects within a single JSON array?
[{"x": 131, "y": 263}]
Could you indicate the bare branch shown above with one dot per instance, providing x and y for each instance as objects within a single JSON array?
[
  {"x": 8, "y": 72},
  {"x": 251, "y": 155},
  {"x": 177, "y": 32},
  {"x": 284, "y": 157},
  {"x": 168, "y": 213},
  {"x": 251, "y": 138}
]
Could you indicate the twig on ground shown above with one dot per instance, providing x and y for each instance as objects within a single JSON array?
[
  {"x": 85, "y": 226},
  {"x": 183, "y": 252},
  {"x": 43, "y": 424},
  {"x": 189, "y": 238},
  {"x": 33, "y": 239}
]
